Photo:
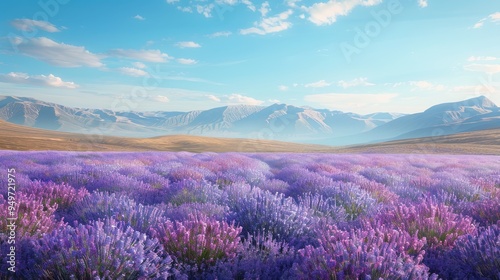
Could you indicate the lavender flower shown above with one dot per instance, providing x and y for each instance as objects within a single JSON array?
[
  {"x": 362, "y": 254},
  {"x": 33, "y": 218},
  {"x": 120, "y": 207},
  {"x": 474, "y": 257},
  {"x": 102, "y": 250},
  {"x": 434, "y": 221},
  {"x": 61, "y": 195},
  {"x": 198, "y": 241}
]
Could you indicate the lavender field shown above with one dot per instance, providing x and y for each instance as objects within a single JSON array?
[{"x": 250, "y": 216}]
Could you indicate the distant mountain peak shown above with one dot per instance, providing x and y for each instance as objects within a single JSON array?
[
  {"x": 483, "y": 101},
  {"x": 480, "y": 102}
]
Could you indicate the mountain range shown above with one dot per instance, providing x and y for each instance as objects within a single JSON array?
[{"x": 275, "y": 122}]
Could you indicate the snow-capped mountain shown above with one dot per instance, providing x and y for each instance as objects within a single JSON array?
[{"x": 278, "y": 121}]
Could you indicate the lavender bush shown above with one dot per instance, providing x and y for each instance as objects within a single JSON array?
[
  {"x": 198, "y": 242},
  {"x": 33, "y": 217},
  {"x": 252, "y": 216},
  {"x": 475, "y": 257},
  {"x": 363, "y": 254},
  {"x": 102, "y": 250}
]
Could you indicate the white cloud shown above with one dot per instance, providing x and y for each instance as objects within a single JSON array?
[
  {"x": 160, "y": 98},
  {"x": 283, "y": 88},
  {"x": 292, "y": 3},
  {"x": 31, "y": 25},
  {"x": 133, "y": 72},
  {"x": 482, "y": 58},
  {"x": 186, "y": 61},
  {"x": 264, "y": 9},
  {"x": 354, "y": 83},
  {"x": 318, "y": 84},
  {"x": 274, "y": 101},
  {"x": 270, "y": 25},
  {"x": 139, "y": 17},
  {"x": 220, "y": 34},
  {"x": 234, "y": 99},
  {"x": 38, "y": 80},
  {"x": 495, "y": 17},
  {"x": 57, "y": 54},
  {"x": 139, "y": 65},
  {"x": 327, "y": 13},
  {"x": 486, "y": 68},
  {"x": 422, "y": 3},
  {"x": 426, "y": 85},
  {"x": 241, "y": 99},
  {"x": 478, "y": 25},
  {"x": 478, "y": 89},
  {"x": 172, "y": 1},
  {"x": 213, "y": 98},
  {"x": 249, "y": 4},
  {"x": 185, "y": 9},
  {"x": 189, "y": 44},
  {"x": 205, "y": 10},
  {"x": 142, "y": 55},
  {"x": 360, "y": 103}
]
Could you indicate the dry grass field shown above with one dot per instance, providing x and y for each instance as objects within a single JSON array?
[{"x": 16, "y": 137}]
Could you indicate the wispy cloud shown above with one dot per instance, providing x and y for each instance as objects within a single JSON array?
[
  {"x": 318, "y": 84},
  {"x": 283, "y": 88},
  {"x": 133, "y": 72},
  {"x": 160, "y": 98},
  {"x": 57, "y": 54},
  {"x": 189, "y": 44},
  {"x": 37, "y": 80},
  {"x": 249, "y": 5},
  {"x": 355, "y": 83},
  {"x": 482, "y": 58},
  {"x": 220, "y": 34},
  {"x": 142, "y": 55},
  {"x": 139, "y": 65},
  {"x": 234, "y": 99},
  {"x": 139, "y": 17},
  {"x": 422, "y": 3},
  {"x": 426, "y": 85},
  {"x": 213, "y": 97},
  {"x": 327, "y": 13},
  {"x": 495, "y": 17},
  {"x": 360, "y": 103},
  {"x": 270, "y": 24},
  {"x": 264, "y": 9},
  {"x": 186, "y": 61},
  {"x": 485, "y": 68},
  {"x": 31, "y": 25},
  {"x": 191, "y": 79}
]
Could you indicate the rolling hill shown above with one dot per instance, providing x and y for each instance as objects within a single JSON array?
[{"x": 16, "y": 137}]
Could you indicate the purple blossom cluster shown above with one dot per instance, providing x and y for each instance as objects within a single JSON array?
[
  {"x": 198, "y": 242},
  {"x": 33, "y": 218},
  {"x": 181, "y": 215},
  {"x": 363, "y": 254},
  {"x": 101, "y": 250}
]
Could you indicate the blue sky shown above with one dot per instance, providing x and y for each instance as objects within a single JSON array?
[{"x": 358, "y": 56}]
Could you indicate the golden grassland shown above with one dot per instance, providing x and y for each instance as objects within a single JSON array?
[{"x": 16, "y": 137}]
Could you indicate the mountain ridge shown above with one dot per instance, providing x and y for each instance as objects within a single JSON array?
[{"x": 275, "y": 122}]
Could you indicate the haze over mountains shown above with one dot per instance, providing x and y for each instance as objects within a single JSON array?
[{"x": 277, "y": 122}]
